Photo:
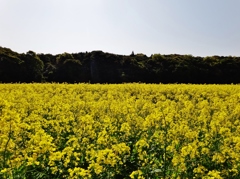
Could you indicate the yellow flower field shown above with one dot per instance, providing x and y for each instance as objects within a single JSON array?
[{"x": 119, "y": 131}]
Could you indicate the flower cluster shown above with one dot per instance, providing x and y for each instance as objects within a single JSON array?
[{"x": 119, "y": 131}]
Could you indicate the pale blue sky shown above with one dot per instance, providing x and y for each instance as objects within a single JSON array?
[{"x": 197, "y": 27}]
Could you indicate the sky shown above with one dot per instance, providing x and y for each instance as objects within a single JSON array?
[{"x": 196, "y": 27}]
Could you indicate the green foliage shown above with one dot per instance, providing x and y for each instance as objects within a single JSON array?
[
  {"x": 32, "y": 67},
  {"x": 10, "y": 66},
  {"x": 60, "y": 59},
  {"x": 100, "y": 67}
]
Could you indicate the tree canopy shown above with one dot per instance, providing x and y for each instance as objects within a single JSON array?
[{"x": 100, "y": 67}]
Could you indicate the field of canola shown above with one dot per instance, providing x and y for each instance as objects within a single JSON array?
[{"x": 119, "y": 131}]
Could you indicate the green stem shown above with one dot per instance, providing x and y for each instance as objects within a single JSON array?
[
  {"x": 5, "y": 148},
  {"x": 165, "y": 145}
]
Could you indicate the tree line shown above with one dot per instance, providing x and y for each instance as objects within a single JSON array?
[{"x": 100, "y": 67}]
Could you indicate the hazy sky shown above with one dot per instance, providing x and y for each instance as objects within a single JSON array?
[{"x": 197, "y": 27}]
